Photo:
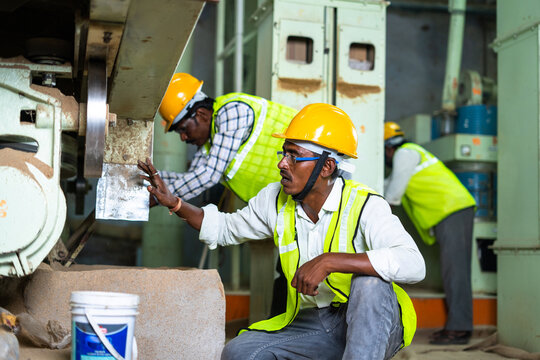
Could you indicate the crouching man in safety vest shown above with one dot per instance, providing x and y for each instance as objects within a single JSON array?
[
  {"x": 340, "y": 248},
  {"x": 233, "y": 133}
]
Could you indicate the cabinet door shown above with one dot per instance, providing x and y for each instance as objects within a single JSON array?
[
  {"x": 300, "y": 50},
  {"x": 360, "y": 81},
  {"x": 300, "y": 67}
]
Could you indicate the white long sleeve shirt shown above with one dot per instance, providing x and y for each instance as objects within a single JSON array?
[
  {"x": 403, "y": 167},
  {"x": 390, "y": 249}
]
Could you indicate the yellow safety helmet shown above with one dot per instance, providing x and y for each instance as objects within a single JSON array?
[
  {"x": 181, "y": 90},
  {"x": 392, "y": 129},
  {"x": 325, "y": 125}
]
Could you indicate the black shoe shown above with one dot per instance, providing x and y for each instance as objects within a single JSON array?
[
  {"x": 436, "y": 334},
  {"x": 450, "y": 337}
]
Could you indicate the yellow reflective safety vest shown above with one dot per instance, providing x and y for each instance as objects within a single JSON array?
[
  {"x": 255, "y": 163},
  {"x": 343, "y": 226},
  {"x": 433, "y": 193}
]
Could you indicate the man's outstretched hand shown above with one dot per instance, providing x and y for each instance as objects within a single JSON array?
[{"x": 157, "y": 185}]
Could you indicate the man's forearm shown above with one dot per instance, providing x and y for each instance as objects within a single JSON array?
[
  {"x": 193, "y": 215},
  {"x": 349, "y": 264},
  {"x": 308, "y": 276}
]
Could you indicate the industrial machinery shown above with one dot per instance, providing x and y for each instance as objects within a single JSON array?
[
  {"x": 518, "y": 236},
  {"x": 80, "y": 83},
  {"x": 463, "y": 135}
]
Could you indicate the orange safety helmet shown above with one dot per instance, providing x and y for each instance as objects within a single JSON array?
[
  {"x": 325, "y": 125},
  {"x": 181, "y": 90},
  {"x": 392, "y": 129}
]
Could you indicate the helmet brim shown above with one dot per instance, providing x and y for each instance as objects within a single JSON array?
[{"x": 284, "y": 136}]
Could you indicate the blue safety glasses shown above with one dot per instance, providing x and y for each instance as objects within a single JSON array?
[{"x": 291, "y": 159}]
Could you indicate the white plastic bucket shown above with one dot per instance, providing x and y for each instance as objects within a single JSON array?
[{"x": 102, "y": 325}]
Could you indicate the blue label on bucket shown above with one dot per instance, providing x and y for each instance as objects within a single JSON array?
[{"x": 89, "y": 347}]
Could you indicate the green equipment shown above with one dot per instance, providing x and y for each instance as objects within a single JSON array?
[{"x": 80, "y": 84}]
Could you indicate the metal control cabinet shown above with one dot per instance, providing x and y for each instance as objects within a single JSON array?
[
  {"x": 518, "y": 240},
  {"x": 330, "y": 52}
]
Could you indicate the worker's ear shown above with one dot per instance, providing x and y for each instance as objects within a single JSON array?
[
  {"x": 204, "y": 115},
  {"x": 329, "y": 167}
]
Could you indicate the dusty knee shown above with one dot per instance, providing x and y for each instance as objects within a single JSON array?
[
  {"x": 370, "y": 286},
  {"x": 369, "y": 281}
]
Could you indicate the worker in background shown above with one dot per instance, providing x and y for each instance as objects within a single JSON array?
[
  {"x": 232, "y": 133},
  {"x": 442, "y": 210},
  {"x": 340, "y": 247}
]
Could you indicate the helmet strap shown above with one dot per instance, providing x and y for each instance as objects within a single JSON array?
[{"x": 312, "y": 178}]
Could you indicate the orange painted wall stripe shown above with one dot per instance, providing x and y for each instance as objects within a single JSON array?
[
  {"x": 485, "y": 311},
  {"x": 431, "y": 313},
  {"x": 236, "y": 307}
]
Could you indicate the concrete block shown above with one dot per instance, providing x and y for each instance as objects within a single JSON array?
[{"x": 181, "y": 312}]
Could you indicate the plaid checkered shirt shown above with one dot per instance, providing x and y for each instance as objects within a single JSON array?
[{"x": 233, "y": 123}]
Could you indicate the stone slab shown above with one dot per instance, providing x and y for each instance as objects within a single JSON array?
[{"x": 181, "y": 312}]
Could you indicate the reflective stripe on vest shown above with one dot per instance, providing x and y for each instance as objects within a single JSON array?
[
  {"x": 433, "y": 193},
  {"x": 255, "y": 163},
  {"x": 338, "y": 239}
]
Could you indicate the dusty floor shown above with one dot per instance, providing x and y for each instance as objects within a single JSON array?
[
  {"x": 481, "y": 347},
  {"x": 420, "y": 349},
  {"x": 31, "y": 353}
]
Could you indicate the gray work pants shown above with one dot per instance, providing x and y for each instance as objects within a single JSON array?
[
  {"x": 368, "y": 327},
  {"x": 454, "y": 235}
]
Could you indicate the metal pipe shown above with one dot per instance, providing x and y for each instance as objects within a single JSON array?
[
  {"x": 235, "y": 267},
  {"x": 239, "y": 53},
  {"x": 213, "y": 258},
  {"x": 238, "y": 81},
  {"x": 231, "y": 45},
  {"x": 220, "y": 40},
  {"x": 453, "y": 53}
]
